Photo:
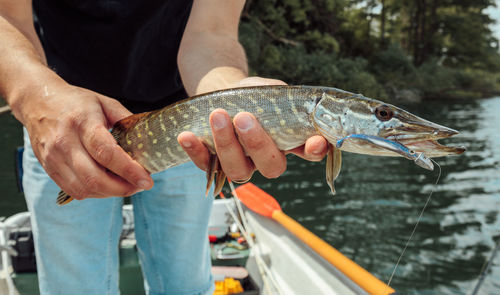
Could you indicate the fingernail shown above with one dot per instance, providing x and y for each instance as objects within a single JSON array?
[
  {"x": 218, "y": 121},
  {"x": 186, "y": 144},
  {"x": 144, "y": 184},
  {"x": 244, "y": 122},
  {"x": 319, "y": 149}
]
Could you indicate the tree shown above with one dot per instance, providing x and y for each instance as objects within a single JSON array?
[{"x": 389, "y": 43}]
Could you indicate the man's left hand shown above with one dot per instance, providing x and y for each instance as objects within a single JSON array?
[{"x": 243, "y": 146}]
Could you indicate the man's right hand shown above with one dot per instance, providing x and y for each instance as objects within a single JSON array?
[{"x": 68, "y": 128}]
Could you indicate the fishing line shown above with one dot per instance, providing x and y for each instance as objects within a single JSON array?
[{"x": 416, "y": 224}]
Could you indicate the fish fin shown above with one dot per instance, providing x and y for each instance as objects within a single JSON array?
[
  {"x": 213, "y": 169},
  {"x": 213, "y": 163},
  {"x": 63, "y": 198},
  {"x": 333, "y": 165},
  {"x": 219, "y": 181},
  {"x": 126, "y": 123}
]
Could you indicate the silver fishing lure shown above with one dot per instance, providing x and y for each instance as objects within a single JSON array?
[{"x": 419, "y": 158}]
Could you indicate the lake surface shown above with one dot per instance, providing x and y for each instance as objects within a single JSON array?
[{"x": 379, "y": 200}]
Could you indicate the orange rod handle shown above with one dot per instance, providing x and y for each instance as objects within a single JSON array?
[{"x": 356, "y": 273}]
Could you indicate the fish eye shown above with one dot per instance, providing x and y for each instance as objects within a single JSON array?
[
  {"x": 384, "y": 113},
  {"x": 412, "y": 152}
]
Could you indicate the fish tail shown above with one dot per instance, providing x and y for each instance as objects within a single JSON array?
[
  {"x": 127, "y": 123},
  {"x": 63, "y": 198}
]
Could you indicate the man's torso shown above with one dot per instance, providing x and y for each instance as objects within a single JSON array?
[{"x": 124, "y": 49}]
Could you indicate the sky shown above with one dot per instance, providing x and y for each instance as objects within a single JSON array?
[{"x": 495, "y": 14}]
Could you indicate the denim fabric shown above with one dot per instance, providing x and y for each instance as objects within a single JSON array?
[{"x": 77, "y": 244}]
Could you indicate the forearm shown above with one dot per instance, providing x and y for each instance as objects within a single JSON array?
[
  {"x": 208, "y": 62},
  {"x": 22, "y": 63},
  {"x": 210, "y": 56}
]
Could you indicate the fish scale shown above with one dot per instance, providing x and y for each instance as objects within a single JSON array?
[
  {"x": 290, "y": 115},
  {"x": 270, "y": 106}
]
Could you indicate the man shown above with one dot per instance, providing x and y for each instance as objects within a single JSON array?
[{"x": 89, "y": 64}]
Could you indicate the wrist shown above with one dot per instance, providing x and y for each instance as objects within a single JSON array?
[
  {"x": 258, "y": 81},
  {"x": 220, "y": 78},
  {"x": 26, "y": 91}
]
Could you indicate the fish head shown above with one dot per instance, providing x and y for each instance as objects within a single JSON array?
[{"x": 338, "y": 114}]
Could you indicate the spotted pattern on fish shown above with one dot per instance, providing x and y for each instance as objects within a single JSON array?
[
  {"x": 270, "y": 105},
  {"x": 290, "y": 114}
]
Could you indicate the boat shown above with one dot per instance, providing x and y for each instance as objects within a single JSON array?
[
  {"x": 270, "y": 260},
  {"x": 251, "y": 253}
]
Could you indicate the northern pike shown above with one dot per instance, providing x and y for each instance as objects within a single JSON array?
[{"x": 290, "y": 115}]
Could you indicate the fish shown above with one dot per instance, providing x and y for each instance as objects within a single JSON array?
[{"x": 290, "y": 115}]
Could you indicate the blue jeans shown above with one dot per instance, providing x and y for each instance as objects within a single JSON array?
[{"x": 76, "y": 245}]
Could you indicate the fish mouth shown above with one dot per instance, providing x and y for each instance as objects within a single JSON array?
[
  {"x": 432, "y": 148},
  {"x": 424, "y": 138}
]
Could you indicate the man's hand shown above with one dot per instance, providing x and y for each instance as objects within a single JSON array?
[
  {"x": 263, "y": 154},
  {"x": 68, "y": 126},
  {"x": 69, "y": 134}
]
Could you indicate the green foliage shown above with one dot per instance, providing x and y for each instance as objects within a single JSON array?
[
  {"x": 441, "y": 49},
  {"x": 356, "y": 77},
  {"x": 296, "y": 66},
  {"x": 445, "y": 82},
  {"x": 394, "y": 68}
]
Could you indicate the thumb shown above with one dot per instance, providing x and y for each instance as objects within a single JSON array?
[{"x": 113, "y": 110}]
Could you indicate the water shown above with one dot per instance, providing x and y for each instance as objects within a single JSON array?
[
  {"x": 378, "y": 202},
  {"x": 11, "y": 200},
  {"x": 379, "y": 199}
]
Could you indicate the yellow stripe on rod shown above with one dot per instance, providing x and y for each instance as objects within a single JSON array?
[{"x": 351, "y": 269}]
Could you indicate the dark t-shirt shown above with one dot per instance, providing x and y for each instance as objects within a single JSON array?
[{"x": 124, "y": 49}]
